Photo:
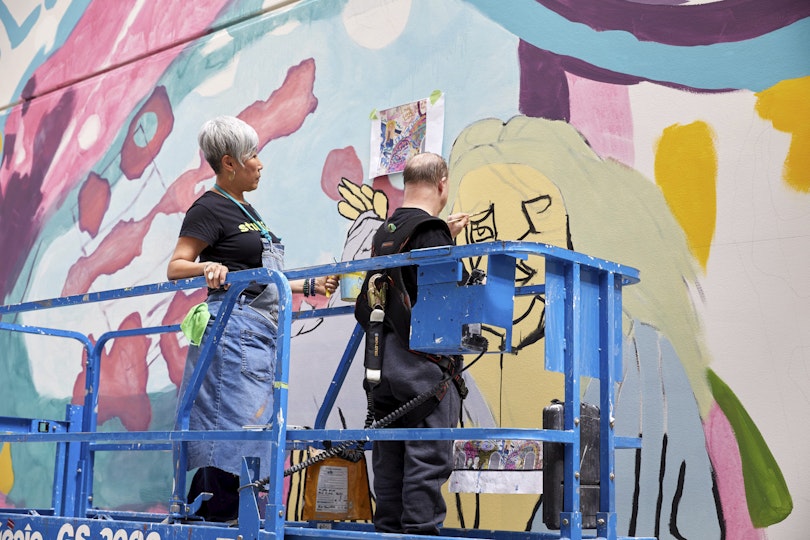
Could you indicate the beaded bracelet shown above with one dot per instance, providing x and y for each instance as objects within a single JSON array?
[
  {"x": 312, "y": 289},
  {"x": 306, "y": 287}
]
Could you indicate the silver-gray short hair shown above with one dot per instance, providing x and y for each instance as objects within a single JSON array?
[{"x": 227, "y": 135}]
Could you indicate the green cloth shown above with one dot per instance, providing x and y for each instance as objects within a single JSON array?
[{"x": 193, "y": 326}]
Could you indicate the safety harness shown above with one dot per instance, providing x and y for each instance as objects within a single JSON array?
[{"x": 385, "y": 305}]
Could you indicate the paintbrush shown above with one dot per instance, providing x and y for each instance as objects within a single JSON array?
[{"x": 468, "y": 214}]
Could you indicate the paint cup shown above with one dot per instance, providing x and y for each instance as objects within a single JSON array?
[{"x": 350, "y": 285}]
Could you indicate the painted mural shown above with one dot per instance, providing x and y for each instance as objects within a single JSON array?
[{"x": 668, "y": 135}]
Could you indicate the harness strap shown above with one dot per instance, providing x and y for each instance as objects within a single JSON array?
[{"x": 449, "y": 365}]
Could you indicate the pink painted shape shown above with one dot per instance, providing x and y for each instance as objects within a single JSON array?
[
  {"x": 115, "y": 251},
  {"x": 340, "y": 163},
  {"x": 394, "y": 194},
  {"x": 122, "y": 380},
  {"x": 94, "y": 200},
  {"x": 100, "y": 41},
  {"x": 725, "y": 456},
  {"x": 99, "y": 38},
  {"x": 287, "y": 479},
  {"x": 134, "y": 157},
  {"x": 284, "y": 112},
  {"x": 170, "y": 349},
  {"x": 601, "y": 112}
]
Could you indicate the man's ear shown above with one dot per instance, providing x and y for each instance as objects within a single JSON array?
[{"x": 443, "y": 184}]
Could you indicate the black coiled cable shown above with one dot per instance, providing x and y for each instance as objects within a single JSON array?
[{"x": 370, "y": 423}]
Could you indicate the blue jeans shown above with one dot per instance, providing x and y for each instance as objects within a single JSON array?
[{"x": 237, "y": 389}]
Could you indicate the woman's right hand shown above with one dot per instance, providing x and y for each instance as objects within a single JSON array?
[
  {"x": 215, "y": 274},
  {"x": 457, "y": 222}
]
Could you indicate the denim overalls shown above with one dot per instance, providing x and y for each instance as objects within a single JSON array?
[{"x": 237, "y": 390}]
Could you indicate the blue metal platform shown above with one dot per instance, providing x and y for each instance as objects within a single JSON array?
[{"x": 583, "y": 337}]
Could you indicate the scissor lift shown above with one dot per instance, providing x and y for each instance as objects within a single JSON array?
[{"x": 583, "y": 337}]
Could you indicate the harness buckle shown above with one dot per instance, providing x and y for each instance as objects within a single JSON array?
[{"x": 377, "y": 293}]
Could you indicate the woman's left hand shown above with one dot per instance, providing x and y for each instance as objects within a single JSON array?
[{"x": 326, "y": 285}]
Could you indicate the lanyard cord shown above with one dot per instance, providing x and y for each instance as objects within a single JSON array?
[{"x": 270, "y": 237}]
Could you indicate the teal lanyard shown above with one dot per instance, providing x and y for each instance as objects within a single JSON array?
[{"x": 270, "y": 237}]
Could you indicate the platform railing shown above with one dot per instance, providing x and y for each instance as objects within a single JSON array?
[{"x": 583, "y": 337}]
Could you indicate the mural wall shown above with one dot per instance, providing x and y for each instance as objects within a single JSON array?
[{"x": 667, "y": 135}]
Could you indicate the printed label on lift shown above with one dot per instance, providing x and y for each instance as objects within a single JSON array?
[
  {"x": 12, "y": 529},
  {"x": 20, "y": 534},
  {"x": 333, "y": 490},
  {"x": 83, "y": 532}
]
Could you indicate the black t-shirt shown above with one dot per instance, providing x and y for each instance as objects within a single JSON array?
[
  {"x": 432, "y": 234},
  {"x": 233, "y": 239}
]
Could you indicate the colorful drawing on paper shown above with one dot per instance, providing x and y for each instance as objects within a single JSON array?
[{"x": 402, "y": 131}]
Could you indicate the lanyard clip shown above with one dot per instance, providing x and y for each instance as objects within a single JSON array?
[{"x": 377, "y": 292}]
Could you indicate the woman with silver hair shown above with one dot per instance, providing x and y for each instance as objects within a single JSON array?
[{"x": 222, "y": 232}]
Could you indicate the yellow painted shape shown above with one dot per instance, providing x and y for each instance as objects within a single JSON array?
[
  {"x": 686, "y": 172},
  {"x": 787, "y": 106},
  {"x": 6, "y": 472}
]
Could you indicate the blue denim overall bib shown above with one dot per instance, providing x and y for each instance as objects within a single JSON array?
[{"x": 237, "y": 390}]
